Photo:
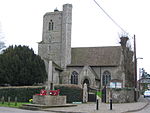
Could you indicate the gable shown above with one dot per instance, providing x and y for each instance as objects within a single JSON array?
[
  {"x": 96, "y": 56},
  {"x": 87, "y": 73}
]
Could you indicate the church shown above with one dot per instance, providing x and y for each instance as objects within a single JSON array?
[{"x": 96, "y": 66}]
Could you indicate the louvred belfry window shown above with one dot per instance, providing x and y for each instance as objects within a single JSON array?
[{"x": 51, "y": 25}]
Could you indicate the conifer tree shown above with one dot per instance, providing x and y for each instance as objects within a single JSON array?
[{"x": 19, "y": 66}]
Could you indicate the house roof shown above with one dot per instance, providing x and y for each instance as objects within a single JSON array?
[{"x": 96, "y": 56}]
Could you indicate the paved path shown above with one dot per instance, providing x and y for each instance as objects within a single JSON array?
[{"x": 103, "y": 108}]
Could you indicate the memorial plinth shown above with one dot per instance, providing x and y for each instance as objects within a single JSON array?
[{"x": 49, "y": 100}]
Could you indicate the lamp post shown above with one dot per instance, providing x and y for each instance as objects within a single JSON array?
[{"x": 135, "y": 70}]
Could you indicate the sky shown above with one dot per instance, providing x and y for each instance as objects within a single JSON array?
[{"x": 21, "y": 23}]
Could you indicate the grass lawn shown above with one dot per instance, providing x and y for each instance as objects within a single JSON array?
[{"x": 12, "y": 104}]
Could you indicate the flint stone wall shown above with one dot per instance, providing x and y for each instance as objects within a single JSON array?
[{"x": 120, "y": 95}]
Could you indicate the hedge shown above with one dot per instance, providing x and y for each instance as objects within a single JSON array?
[{"x": 23, "y": 94}]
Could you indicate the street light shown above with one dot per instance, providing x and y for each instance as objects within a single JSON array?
[
  {"x": 139, "y": 58},
  {"x": 135, "y": 70}
]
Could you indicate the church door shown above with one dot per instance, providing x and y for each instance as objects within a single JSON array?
[
  {"x": 91, "y": 96},
  {"x": 87, "y": 82}
]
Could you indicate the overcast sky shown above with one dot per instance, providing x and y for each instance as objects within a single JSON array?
[{"x": 21, "y": 23}]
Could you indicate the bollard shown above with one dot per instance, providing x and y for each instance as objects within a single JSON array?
[
  {"x": 110, "y": 104},
  {"x": 96, "y": 104},
  {"x": 97, "y": 100},
  {"x": 15, "y": 101}
]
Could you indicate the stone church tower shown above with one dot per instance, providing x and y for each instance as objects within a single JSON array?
[{"x": 56, "y": 39}]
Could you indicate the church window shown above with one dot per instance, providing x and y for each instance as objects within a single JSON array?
[
  {"x": 106, "y": 78},
  {"x": 51, "y": 25},
  {"x": 74, "y": 77}
]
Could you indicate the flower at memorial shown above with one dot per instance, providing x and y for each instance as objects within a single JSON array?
[{"x": 30, "y": 100}]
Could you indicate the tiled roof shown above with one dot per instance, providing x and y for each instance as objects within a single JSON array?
[{"x": 96, "y": 56}]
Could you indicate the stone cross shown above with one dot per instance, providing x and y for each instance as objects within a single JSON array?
[
  {"x": 50, "y": 76},
  {"x": 85, "y": 93}
]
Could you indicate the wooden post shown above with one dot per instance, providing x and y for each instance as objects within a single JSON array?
[
  {"x": 15, "y": 101},
  {"x": 8, "y": 100},
  {"x": 3, "y": 100}
]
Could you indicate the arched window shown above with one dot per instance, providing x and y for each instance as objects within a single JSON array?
[
  {"x": 106, "y": 78},
  {"x": 51, "y": 25},
  {"x": 74, "y": 77}
]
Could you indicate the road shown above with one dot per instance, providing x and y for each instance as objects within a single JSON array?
[
  {"x": 86, "y": 108},
  {"x": 15, "y": 110},
  {"x": 146, "y": 109}
]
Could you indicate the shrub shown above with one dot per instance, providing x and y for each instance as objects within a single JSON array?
[{"x": 20, "y": 66}]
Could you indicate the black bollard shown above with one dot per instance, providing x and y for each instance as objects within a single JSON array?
[
  {"x": 96, "y": 104},
  {"x": 110, "y": 104}
]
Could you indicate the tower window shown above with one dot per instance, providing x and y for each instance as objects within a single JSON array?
[
  {"x": 106, "y": 78},
  {"x": 51, "y": 25},
  {"x": 49, "y": 47},
  {"x": 74, "y": 77}
]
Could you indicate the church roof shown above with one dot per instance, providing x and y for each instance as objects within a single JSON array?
[{"x": 96, "y": 56}]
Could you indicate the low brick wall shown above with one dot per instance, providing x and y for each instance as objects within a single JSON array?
[
  {"x": 49, "y": 100},
  {"x": 120, "y": 95}
]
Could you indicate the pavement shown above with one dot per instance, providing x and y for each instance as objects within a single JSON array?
[{"x": 103, "y": 107}]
